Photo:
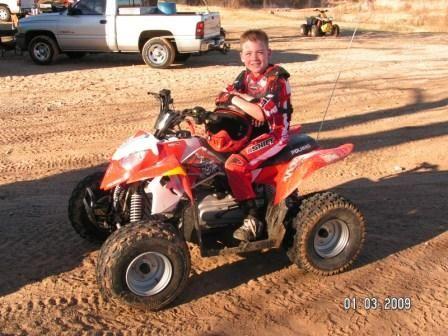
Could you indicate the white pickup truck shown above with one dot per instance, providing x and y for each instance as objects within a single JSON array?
[
  {"x": 93, "y": 26},
  {"x": 18, "y": 7}
]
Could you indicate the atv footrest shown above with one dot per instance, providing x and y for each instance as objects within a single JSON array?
[{"x": 243, "y": 247}]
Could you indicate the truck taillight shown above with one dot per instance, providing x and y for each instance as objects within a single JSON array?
[{"x": 200, "y": 30}]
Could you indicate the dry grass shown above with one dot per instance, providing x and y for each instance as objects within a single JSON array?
[{"x": 397, "y": 15}]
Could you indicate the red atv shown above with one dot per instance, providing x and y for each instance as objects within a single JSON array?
[{"x": 164, "y": 189}]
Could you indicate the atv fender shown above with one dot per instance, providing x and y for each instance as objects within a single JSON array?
[
  {"x": 168, "y": 166},
  {"x": 299, "y": 168}
]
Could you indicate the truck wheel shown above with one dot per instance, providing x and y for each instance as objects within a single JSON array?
[
  {"x": 315, "y": 31},
  {"x": 43, "y": 49},
  {"x": 5, "y": 14},
  {"x": 304, "y": 30},
  {"x": 158, "y": 53},
  {"x": 88, "y": 208},
  {"x": 330, "y": 232},
  {"x": 144, "y": 265},
  {"x": 75, "y": 54},
  {"x": 180, "y": 58}
]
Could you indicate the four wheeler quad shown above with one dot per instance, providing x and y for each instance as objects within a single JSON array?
[
  {"x": 169, "y": 187},
  {"x": 319, "y": 25}
]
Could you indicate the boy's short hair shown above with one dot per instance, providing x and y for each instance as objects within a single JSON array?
[{"x": 255, "y": 35}]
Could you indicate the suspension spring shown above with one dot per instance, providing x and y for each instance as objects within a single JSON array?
[
  {"x": 136, "y": 210},
  {"x": 117, "y": 194}
]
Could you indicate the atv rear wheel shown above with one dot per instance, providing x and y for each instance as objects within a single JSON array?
[
  {"x": 144, "y": 265},
  {"x": 330, "y": 232},
  {"x": 304, "y": 30},
  {"x": 315, "y": 31},
  {"x": 88, "y": 207}
]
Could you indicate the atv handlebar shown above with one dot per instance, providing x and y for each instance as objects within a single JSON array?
[
  {"x": 198, "y": 113},
  {"x": 169, "y": 118}
]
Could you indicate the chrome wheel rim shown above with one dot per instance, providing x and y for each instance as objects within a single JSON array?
[
  {"x": 331, "y": 238},
  {"x": 157, "y": 54},
  {"x": 3, "y": 14},
  {"x": 42, "y": 51},
  {"x": 148, "y": 274}
]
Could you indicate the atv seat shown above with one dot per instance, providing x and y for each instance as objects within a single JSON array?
[{"x": 298, "y": 144}]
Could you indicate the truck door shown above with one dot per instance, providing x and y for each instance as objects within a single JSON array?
[{"x": 84, "y": 27}]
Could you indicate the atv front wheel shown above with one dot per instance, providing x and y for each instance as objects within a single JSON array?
[
  {"x": 335, "y": 30},
  {"x": 304, "y": 30},
  {"x": 144, "y": 265},
  {"x": 88, "y": 207},
  {"x": 330, "y": 232}
]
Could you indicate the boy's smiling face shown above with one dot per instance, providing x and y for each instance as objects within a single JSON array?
[{"x": 255, "y": 55}]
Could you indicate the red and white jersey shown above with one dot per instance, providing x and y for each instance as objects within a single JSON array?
[{"x": 273, "y": 94}]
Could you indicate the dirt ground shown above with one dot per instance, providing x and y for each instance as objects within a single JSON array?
[{"x": 59, "y": 123}]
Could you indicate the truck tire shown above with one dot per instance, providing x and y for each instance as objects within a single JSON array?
[
  {"x": 330, "y": 232},
  {"x": 43, "y": 49},
  {"x": 86, "y": 222},
  {"x": 5, "y": 13},
  {"x": 158, "y": 53},
  {"x": 145, "y": 265}
]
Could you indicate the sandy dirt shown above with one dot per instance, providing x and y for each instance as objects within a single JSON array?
[{"x": 59, "y": 123}]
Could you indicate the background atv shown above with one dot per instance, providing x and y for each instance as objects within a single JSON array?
[
  {"x": 169, "y": 187},
  {"x": 319, "y": 25}
]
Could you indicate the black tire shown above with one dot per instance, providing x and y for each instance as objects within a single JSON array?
[
  {"x": 335, "y": 31},
  {"x": 122, "y": 268},
  {"x": 304, "y": 30},
  {"x": 5, "y": 14},
  {"x": 180, "y": 58},
  {"x": 75, "y": 54},
  {"x": 158, "y": 53},
  {"x": 222, "y": 32},
  {"x": 315, "y": 31},
  {"x": 43, "y": 49},
  {"x": 77, "y": 213},
  {"x": 320, "y": 220}
]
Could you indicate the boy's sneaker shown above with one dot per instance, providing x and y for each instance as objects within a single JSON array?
[{"x": 251, "y": 229}]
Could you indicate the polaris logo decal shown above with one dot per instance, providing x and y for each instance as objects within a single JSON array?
[
  {"x": 260, "y": 145},
  {"x": 300, "y": 149}
]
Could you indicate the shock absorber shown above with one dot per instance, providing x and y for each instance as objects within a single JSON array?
[
  {"x": 117, "y": 195},
  {"x": 136, "y": 209}
]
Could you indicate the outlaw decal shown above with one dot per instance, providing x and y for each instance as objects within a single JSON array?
[{"x": 260, "y": 145}]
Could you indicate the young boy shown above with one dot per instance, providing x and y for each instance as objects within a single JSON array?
[{"x": 262, "y": 91}]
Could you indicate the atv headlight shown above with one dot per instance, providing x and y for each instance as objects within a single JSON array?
[{"x": 132, "y": 160}]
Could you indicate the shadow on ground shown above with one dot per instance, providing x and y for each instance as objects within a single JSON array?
[
  {"x": 21, "y": 65},
  {"x": 402, "y": 211},
  {"x": 37, "y": 241}
]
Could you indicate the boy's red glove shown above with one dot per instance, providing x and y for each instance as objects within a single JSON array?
[{"x": 224, "y": 98}]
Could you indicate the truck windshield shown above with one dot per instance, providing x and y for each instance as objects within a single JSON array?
[{"x": 91, "y": 7}]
